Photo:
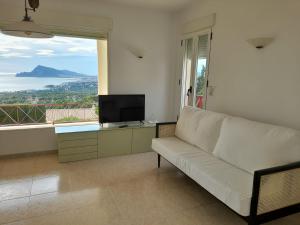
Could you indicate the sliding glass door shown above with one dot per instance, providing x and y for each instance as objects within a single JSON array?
[{"x": 195, "y": 70}]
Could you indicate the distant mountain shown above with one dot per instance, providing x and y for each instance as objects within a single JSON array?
[{"x": 43, "y": 71}]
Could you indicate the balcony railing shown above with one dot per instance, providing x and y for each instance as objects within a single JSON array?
[{"x": 47, "y": 113}]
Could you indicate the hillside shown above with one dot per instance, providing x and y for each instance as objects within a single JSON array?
[{"x": 43, "y": 71}]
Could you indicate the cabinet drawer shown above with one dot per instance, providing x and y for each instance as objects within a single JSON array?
[
  {"x": 77, "y": 157},
  {"x": 77, "y": 136},
  {"x": 77, "y": 143},
  {"x": 77, "y": 150}
]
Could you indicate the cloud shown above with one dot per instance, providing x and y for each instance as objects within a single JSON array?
[
  {"x": 8, "y": 46},
  {"x": 45, "y": 52},
  {"x": 6, "y": 73},
  {"x": 14, "y": 55},
  {"x": 3, "y": 49},
  {"x": 11, "y": 47},
  {"x": 80, "y": 49}
]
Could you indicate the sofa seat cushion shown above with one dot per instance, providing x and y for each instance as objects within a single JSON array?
[
  {"x": 254, "y": 146},
  {"x": 228, "y": 183},
  {"x": 171, "y": 148}
]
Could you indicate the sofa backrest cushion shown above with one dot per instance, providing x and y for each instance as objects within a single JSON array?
[
  {"x": 199, "y": 127},
  {"x": 187, "y": 124},
  {"x": 254, "y": 146}
]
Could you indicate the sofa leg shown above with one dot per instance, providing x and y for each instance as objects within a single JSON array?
[
  {"x": 158, "y": 160},
  {"x": 252, "y": 222}
]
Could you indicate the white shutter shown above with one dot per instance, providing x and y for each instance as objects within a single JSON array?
[{"x": 203, "y": 46}]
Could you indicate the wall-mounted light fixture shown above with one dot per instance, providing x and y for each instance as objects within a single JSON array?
[
  {"x": 260, "y": 42},
  {"x": 26, "y": 27},
  {"x": 139, "y": 53}
]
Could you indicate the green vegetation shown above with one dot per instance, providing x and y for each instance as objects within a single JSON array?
[
  {"x": 30, "y": 106},
  {"x": 68, "y": 120},
  {"x": 201, "y": 82},
  {"x": 81, "y": 92}
]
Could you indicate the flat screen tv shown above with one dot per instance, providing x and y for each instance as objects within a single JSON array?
[{"x": 121, "y": 108}]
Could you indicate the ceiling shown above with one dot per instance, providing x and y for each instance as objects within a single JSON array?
[
  {"x": 168, "y": 5},
  {"x": 164, "y": 5}
]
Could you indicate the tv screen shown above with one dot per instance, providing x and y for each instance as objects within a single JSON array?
[{"x": 121, "y": 108}]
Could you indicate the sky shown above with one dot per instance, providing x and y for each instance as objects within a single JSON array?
[{"x": 24, "y": 54}]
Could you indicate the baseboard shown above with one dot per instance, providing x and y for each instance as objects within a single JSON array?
[{"x": 28, "y": 154}]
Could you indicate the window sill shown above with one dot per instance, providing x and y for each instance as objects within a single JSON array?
[
  {"x": 26, "y": 127},
  {"x": 42, "y": 126}
]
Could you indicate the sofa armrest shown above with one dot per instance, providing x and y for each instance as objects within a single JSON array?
[
  {"x": 276, "y": 192},
  {"x": 165, "y": 129}
]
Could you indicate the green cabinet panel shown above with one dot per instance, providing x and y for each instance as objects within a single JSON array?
[
  {"x": 114, "y": 142},
  {"x": 77, "y": 146},
  {"x": 77, "y": 157},
  {"x": 77, "y": 143},
  {"x": 78, "y": 150},
  {"x": 142, "y": 139},
  {"x": 77, "y": 136}
]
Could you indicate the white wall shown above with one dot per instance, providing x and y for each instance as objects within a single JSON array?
[
  {"x": 258, "y": 84},
  {"x": 150, "y": 33},
  {"x": 142, "y": 29},
  {"x": 27, "y": 139}
]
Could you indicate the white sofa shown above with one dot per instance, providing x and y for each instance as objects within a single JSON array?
[{"x": 251, "y": 167}]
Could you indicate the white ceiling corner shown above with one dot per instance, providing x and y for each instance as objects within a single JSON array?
[{"x": 86, "y": 5}]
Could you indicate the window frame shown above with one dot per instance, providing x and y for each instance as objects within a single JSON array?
[
  {"x": 195, "y": 37},
  {"x": 83, "y": 35}
]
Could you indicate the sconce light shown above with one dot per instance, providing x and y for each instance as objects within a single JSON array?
[
  {"x": 26, "y": 27},
  {"x": 137, "y": 52},
  {"x": 261, "y": 42}
]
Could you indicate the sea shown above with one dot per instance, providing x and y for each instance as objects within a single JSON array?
[{"x": 11, "y": 83}]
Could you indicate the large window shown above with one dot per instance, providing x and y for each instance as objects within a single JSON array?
[
  {"x": 48, "y": 80},
  {"x": 195, "y": 69}
]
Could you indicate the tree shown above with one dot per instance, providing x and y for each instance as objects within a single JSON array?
[{"x": 201, "y": 82}]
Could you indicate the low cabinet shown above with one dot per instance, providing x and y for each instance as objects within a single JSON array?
[{"x": 92, "y": 141}]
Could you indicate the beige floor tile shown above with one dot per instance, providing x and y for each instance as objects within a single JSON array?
[
  {"x": 98, "y": 215},
  {"x": 82, "y": 180},
  {"x": 177, "y": 218},
  {"x": 138, "y": 201},
  {"x": 21, "y": 222},
  {"x": 213, "y": 214},
  {"x": 129, "y": 167},
  {"x": 50, "y": 203},
  {"x": 289, "y": 220},
  {"x": 50, "y": 184},
  {"x": 84, "y": 216},
  {"x": 1, "y": 165},
  {"x": 91, "y": 197},
  {"x": 47, "y": 165},
  {"x": 13, "y": 210},
  {"x": 126, "y": 190},
  {"x": 62, "y": 218},
  {"x": 14, "y": 190},
  {"x": 16, "y": 169}
]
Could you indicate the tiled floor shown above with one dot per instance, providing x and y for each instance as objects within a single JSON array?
[{"x": 127, "y": 190}]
